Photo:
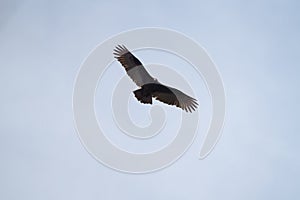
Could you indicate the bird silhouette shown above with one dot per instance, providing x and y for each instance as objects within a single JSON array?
[{"x": 149, "y": 86}]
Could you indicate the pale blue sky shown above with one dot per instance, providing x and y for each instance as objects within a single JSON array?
[{"x": 255, "y": 45}]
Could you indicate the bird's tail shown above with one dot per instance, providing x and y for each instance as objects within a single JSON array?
[{"x": 141, "y": 97}]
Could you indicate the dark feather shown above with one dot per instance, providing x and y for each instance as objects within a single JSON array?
[
  {"x": 127, "y": 59},
  {"x": 133, "y": 66},
  {"x": 169, "y": 96},
  {"x": 150, "y": 87}
]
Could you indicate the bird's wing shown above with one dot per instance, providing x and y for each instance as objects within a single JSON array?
[
  {"x": 175, "y": 97},
  {"x": 133, "y": 66}
]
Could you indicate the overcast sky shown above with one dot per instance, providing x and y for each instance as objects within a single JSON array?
[{"x": 255, "y": 45}]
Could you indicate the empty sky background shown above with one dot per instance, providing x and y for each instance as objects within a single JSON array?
[{"x": 255, "y": 45}]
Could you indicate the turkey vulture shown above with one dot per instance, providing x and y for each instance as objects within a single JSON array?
[{"x": 149, "y": 86}]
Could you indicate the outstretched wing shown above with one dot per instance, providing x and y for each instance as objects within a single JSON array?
[
  {"x": 175, "y": 97},
  {"x": 133, "y": 66}
]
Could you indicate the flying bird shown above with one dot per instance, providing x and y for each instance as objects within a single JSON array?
[{"x": 149, "y": 86}]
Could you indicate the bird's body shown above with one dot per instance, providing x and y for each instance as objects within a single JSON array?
[
  {"x": 150, "y": 87},
  {"x": 149, "y": 90}
]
